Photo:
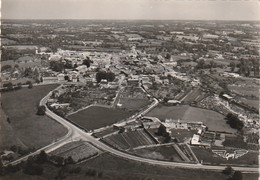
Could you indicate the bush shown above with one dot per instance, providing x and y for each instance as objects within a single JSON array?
[
  {"x": 236, "y": 176},
  {"x": 75, "y": 170},
  {"x": 228, "y": 170},
  {"x": 42, "y": 157},
  {"x": 30, "y": 86},
  {"x": 32, "y": 169},
  {"x": 41, "y": 110}
]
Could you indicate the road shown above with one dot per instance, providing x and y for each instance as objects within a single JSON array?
[{"x": 76, "y": 133}]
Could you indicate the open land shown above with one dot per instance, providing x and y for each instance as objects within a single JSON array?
[
  {"x": 134, "y": 104},
  {"x": 7, "y": 134},
  {"x": 160, "y": 153},
  {"x": 134, "y": 170},
  {"x": 96, "y": 117},
  {"x": 76, "y": 150},
  {"x": 32, "y": 130},
  {"x": 251, "y": 158},
  {"x": 213, "y": 120},
  {"x": 113, "y": 167}
]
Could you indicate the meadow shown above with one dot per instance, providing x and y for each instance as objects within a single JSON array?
[
  {"x": 30, "y": 129},
  {"x": 96, "y": 117}
]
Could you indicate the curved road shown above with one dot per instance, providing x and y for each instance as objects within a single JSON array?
[{"x": 74, "y": 132}]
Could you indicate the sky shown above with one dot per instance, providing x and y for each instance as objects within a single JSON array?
[{"x": 132, "y": 9}]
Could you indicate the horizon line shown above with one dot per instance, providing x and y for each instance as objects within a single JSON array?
[{"x": 128, "y": 19}]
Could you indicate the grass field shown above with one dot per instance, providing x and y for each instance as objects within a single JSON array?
[
  {"x": 96, "y": 117},
  {"x": 113, "y": 167},
  {"x": 78, "y": 151},
  {"x": 7, "y": 134},
  {"x": 251, "y": 158},
  {"x": 245, "y": 90},
  {"x": 116, "y": 168},
  {"x": 133, "y": 103},
  {"x": 212, "y": 119},
  {"x": 160, "y": 153},
  {"x": 251, "y": 102},
  {"x": 32, "y": 130}
]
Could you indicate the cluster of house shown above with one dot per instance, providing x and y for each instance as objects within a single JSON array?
[{"x": 201, "y": 138}]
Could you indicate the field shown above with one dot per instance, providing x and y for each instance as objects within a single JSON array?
[
  {"x": 132, "y": 170},
  {"x": 168, "y": 153},
  {"x": 96, "y": 117},
  {"x": 212, "y": 119},
  {"x": 7, "y": 134},
  {"x": 113, "y": 167},
  {"x": 251, "y": 102},
  {"x": 128, "y": 140},
  {"x": 105, "y": 132},
  {"x": 245, "y": 90},
  {"x": 182, "y": 134},
  {"x": 133, "y": 103},
  {"x": 251, "y": 158},
  {"x": 193, "y": 95},
  {"x": 76, "y": 150},
  {"x": 32, "y": 130}
]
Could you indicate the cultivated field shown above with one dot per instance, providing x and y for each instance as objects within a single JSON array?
[
  {"x": 251, "y": 158},
  {"x": 245, "y": 90},
  {"x": 32, "y": 130},
  {"x": 76, "y": 150},
  {"x": 251, "y": 102},
  {"x": 128, "y": 140},
  {"x": 212, "y": 119},
  {"x": 194, "y": 95},
  {"x": 167, "y": 153},
  {"x": 105, "y": 132},
  {"x": 96, "y": 117}
]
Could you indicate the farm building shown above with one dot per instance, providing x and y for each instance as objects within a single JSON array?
[
  {"x": 173, "y": 102},
  {"x": 49, "y": 79},
  {"x": 177, "y": 124},
  {"x": 196, "y": 140}
]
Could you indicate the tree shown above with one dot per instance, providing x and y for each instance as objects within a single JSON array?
[
  {"x": 236, "y": 176},
  {"x": 69, "y": 160},
  {"x": 234, "y": 121},
  {"x": 6, "y": 68},
  {"x": 167, "y": 138},
  {"x": 41, "y": 110},
  {"x": 228, "y": 170},
  {"x": 109, "y": 76},
  {"x": 32, "y": 169},
  {"x": 168, "y": 56},
  {"x": 161, "y": 130},
  {"x": 87, "y": 62},
  {"x": 30, "y": 85},
  {"x": 232, "y": 66},
  {"x": 57, "y": 66},
  {"x": 201, "y": 64},
  {"x": 42, "y": 157},
  {"x": 8, "y": 86}
]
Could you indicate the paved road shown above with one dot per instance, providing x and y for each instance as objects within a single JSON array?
[{"x": 75, "y": 133}]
